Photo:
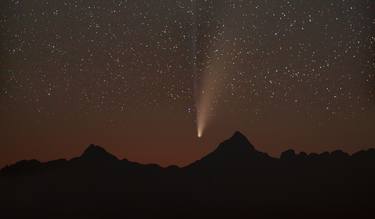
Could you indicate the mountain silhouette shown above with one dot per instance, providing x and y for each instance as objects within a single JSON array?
[
  {"x": 235, "y": 145},
  {"x": 94, "y": 152},
  {"x": 235, "y": 152},
  {"x": 233, "y": 181}
]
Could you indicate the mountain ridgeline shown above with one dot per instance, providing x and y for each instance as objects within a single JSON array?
[{"x": 235, "y": 180}]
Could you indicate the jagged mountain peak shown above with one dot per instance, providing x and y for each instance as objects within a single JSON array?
[
  {"x": 235, "y": 152},
  {"x": 97, "y": 152},
  {"x": 237, "y": 142}
]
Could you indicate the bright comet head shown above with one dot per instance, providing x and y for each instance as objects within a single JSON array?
[{"x": 199, "y": 134}]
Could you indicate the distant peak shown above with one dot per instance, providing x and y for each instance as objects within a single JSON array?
[
  {"x": 97, "y": 152},
  {"x": 238, "y": 135},
  {"x": 237, "y": 141},
  {"x": 94, "y": 148},
  {"x": 235, "y": 152}
]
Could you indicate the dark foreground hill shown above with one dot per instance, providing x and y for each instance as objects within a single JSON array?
[{"x": 234, "y": 181}]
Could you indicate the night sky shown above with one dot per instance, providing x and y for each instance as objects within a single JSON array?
[{"x": 127, "y": 75}]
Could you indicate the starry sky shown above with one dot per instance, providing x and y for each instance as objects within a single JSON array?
[{"x": 125, "y": 74}]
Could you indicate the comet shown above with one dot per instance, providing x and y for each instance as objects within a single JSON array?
[
  {"x": 212, "y": 77},
  {"x": 212, "y": 82}
]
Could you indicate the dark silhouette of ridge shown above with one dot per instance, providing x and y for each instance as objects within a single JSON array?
[
  {"x": 233, "y": 181},
  {"x": 95, "y": 152},
  {"x": 235, "y": 152},
  {"x": 236, "y": 144}
]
